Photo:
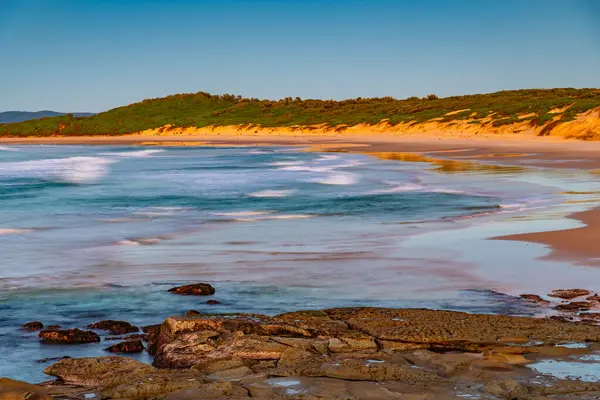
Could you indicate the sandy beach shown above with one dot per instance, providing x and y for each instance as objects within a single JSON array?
[{"x": 576, "y": 244}]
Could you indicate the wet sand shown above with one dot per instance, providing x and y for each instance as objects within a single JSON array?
[{"x": 578, "y": 244}]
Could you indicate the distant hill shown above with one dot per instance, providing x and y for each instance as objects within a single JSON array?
[
  {"x": 533, "y": 111},
  {"x": 9, "y": 117}
]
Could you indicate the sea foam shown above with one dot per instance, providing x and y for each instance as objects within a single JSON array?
[
  {"x": 271, "y": 193},
  {"x": 134, "y": 154},
  {"x": 77, "y": 170}
]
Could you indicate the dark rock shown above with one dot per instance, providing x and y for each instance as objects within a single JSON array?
[
  {"x": 33, "y": 326},
  {"x": 534, "y": 298},
  {"x": 574, "y": 306},
  {"x": 69, "y": 336},
  {"x": 131, "y": 346},
  {"x": 569, "y": 294},
  {"x": 213, "y": 302},
  {"x": 192, "y": 312},
  {"x": 595, "y": 297},
  {"x": 196, "y": 289},
  {"x": 590, "y": 316},
  {"x": 152, "y": 333},
  {"x": 114, "y": 327},
  {"x": 53, "y": 327}
]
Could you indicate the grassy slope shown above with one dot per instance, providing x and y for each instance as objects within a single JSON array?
[{"x": 202, "y": 109}]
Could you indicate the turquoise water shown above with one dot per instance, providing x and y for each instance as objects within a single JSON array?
[{"x": 96, "y": 232}]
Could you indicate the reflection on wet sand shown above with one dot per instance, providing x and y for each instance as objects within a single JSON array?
[{"x": 448, "y": 166}]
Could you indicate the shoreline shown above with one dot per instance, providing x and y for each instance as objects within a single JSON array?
[{"x": 576, "y": 245}]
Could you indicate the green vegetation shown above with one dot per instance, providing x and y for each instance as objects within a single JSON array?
[{"x": 203, "y": 109}]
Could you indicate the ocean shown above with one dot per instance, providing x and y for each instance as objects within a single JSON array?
[{"x": 102, "y": 232}]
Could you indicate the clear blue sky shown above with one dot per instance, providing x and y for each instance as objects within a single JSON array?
[{"x": 88, "y": 55}]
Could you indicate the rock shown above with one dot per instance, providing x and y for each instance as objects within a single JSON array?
[
  {"x": 535, "y": 299},
  {"x": 590, "y": 317},
  {"x": 33, "y": 326},
  {"x": 508, "y": 389},
  {"x": 210, "y": 366},
  {"x": 193, "y": 348},
  {"x": 456, "y": 330},
  {"x": 569, "y": 294},
  {"x": 69, "y": 336},
  {"x": 192, "y": 312},
  {"x": 232, "y": 374},
  {"x": 17, "y": 390},
  {"x": 98, "y": 371},
  {"x": 53, "y": 327},
  {"x": 595, "y": 297},
  {"x": 574, "y": 306},
  {"x": 152, "y": 332},
  {"x": 156, "y": 385},
  {"x": 242, "y": 324},
  {"x": 213, "y": 390},
  {"x": 114, "y": 327},
  {"x": 196, "y": 289},
  {"x": 132, "y": 346},
  {"x": 213, "y": 302}
]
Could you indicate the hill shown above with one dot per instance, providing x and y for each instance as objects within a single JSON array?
[
  {"x": 8, "y": 117},
  {"x": 540, "y": 110}
]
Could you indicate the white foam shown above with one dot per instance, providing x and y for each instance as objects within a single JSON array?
[
  {"x": 134, "y": 154},
  {"x": 274, "y": 217},
  {"x": 138, "y": 242},
  {"x": 10, "y": 231},
  {"x": 286, "y": 163},
  {"x": 338, "y": 179},
  {"x": 72, "y": 169},
  {"x": 4, "y": 148},
  {"x": 271, "y": 193},
  {"x": 159, "y": 211},
  {"x": 243, "y": 213}
]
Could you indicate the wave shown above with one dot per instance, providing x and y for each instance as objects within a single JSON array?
[
  {"x": 139, "y": 241},
  {"x": 134, "y": 154},
  {"x": 10, "y": 231},
  {"x": 272, "y": 193},
  {"x": 337, "y": 179},
  {"x": 4, "y": 148},
  {"x": 160, "y": 211},
  {"x": 286, "y": 163},
  {"x": 243, "y": 213},
  {"x": 417, "y": 187},
  {"x": 275, "y": 217},
  {"x": 77, "y": 170}
]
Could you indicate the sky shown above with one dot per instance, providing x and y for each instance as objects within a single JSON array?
[{"x": 93, "y": 55}]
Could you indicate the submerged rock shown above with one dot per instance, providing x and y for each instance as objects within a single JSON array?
[
  {"x": 535, "y": 299},
  {"x": 114, "y": 327},
  {"x": 196, "y": 289},
  {"x": 569, "y": 294},
  {"x": 192, "y": 312},
  {"x": 574, "y": 306},
  {"x": 33, "y": 326},
  {"x": 131, "y": 346},
  {"x": 69, "y": 336},
  {"x": 17, "y": 390},
  {"x": 213, "y": 302}
]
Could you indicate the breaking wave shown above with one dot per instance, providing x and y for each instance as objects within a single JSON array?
[
  {"x": 78, "y": 170},
  {"x": 271, "y": 193},
  {"x": 134, "y": 154}
]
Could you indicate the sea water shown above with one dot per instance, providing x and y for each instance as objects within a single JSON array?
[{"x": 102, "y": 232}]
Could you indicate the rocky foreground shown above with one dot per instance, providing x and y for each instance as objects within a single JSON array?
[{"x": 346, "y": 353}]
